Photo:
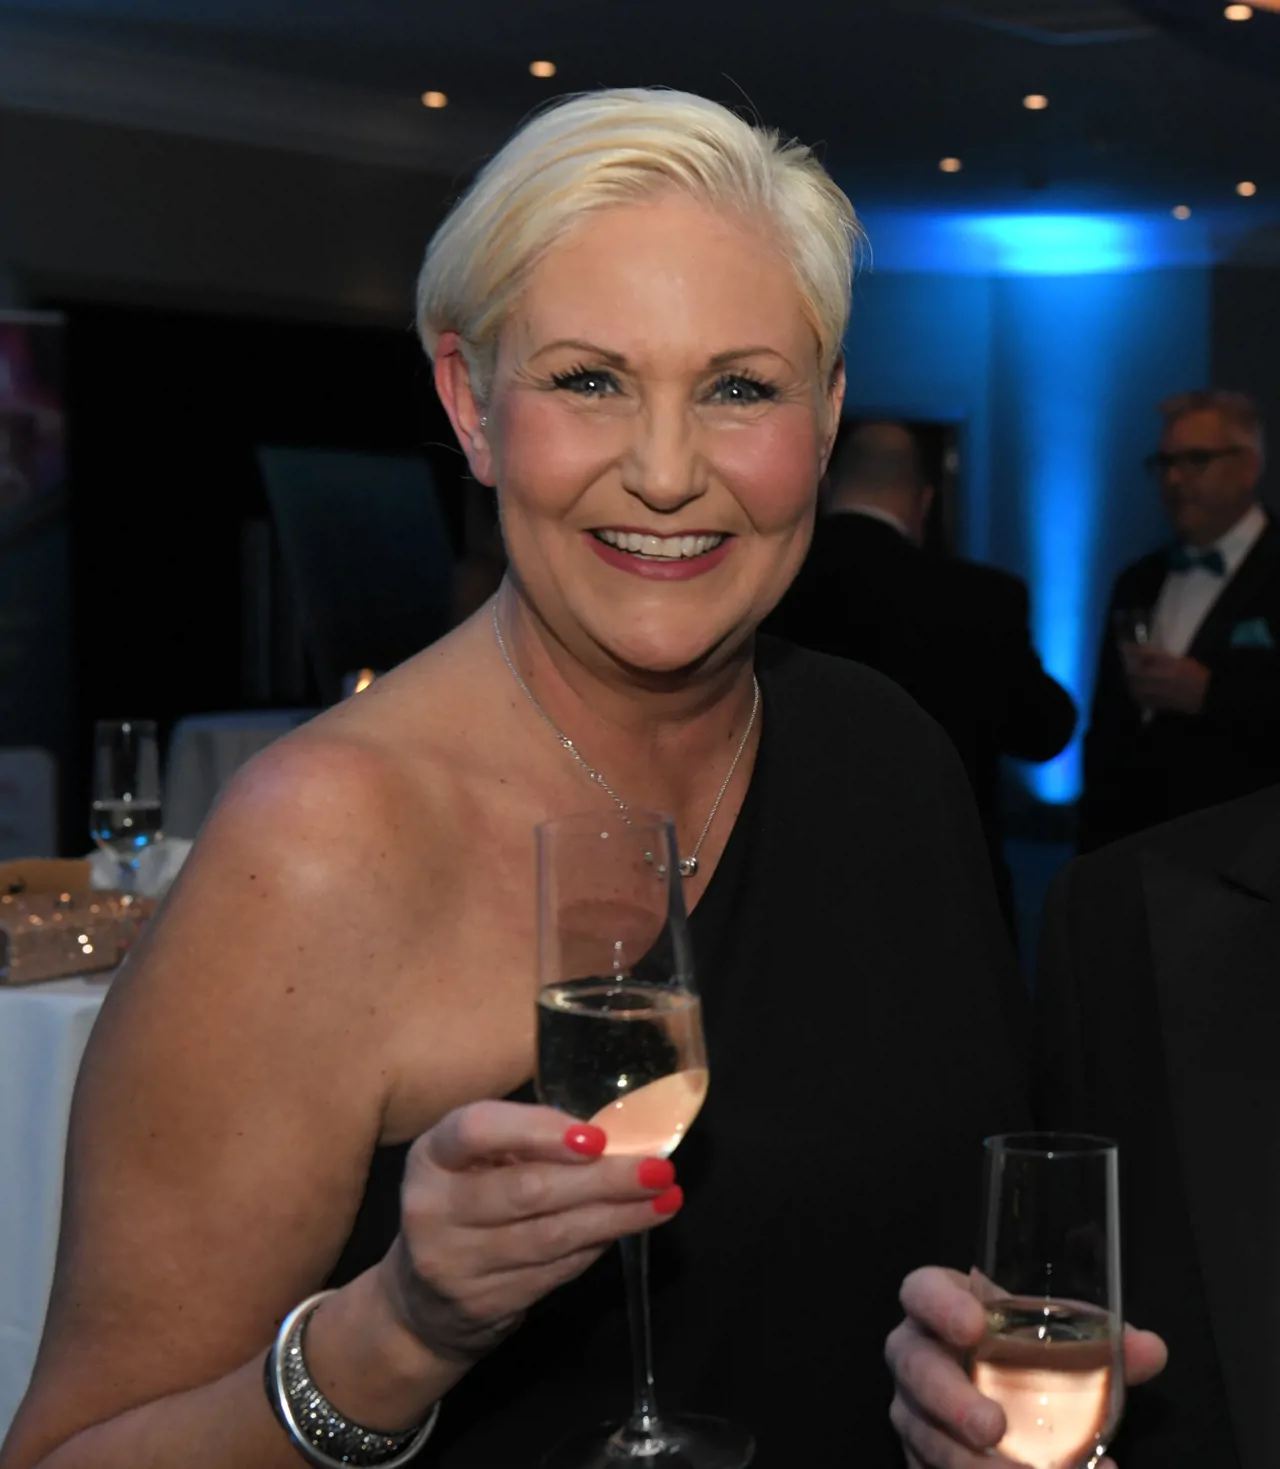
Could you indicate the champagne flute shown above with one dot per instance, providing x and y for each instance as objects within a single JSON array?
[
  {"x": 125, "y": 818},
  {"x": 1133, "y": 627},
  {"x": 620, "y": 1044},
  {"x": 1048, "y": 1275}
]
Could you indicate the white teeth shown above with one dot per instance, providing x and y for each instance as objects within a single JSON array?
[{"x": 662, "y": 548}]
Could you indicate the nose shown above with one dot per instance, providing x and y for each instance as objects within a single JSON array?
[
  {"x": 1174, "y": 476},
  {"x": 663, "y": 466}
]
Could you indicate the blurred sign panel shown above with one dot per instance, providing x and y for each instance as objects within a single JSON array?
[{"x": 35, "y": 653}]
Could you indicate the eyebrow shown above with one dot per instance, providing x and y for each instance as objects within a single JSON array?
[
  {"x": 614, "y": 359},
  {"x": 617, "y": 359}
]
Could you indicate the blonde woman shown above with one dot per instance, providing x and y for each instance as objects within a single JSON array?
[{"x": 635, "y": 317}]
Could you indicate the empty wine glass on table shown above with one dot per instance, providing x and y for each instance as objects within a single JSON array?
[
  {"x": 125, "y": 817},
  {"x": 1048, "y": 1275},
  {"x": 620, "y": 1044}
]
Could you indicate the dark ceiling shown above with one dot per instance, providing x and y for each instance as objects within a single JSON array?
[{"x": 1151, "y": 104}]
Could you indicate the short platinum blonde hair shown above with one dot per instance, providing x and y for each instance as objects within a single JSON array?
[
  {"x": 1237, "y": 410},
  {"x": 607, "y": 148}
]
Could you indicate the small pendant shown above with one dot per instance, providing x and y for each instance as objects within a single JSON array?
[{"x": 687, "y": 866}]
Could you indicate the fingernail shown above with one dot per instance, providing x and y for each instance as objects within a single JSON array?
[
  {"x": 586, "y": 1139},
  {"x": 669, "y": 1202},
  {"x": 656, "y": 1173}
]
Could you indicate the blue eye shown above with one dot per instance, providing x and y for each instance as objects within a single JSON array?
[
  {"x": 736, "y": 387},
  {"x": 586, "y": 382}
]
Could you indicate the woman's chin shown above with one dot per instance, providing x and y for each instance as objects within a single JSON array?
[{"x": 666, "y": 657}]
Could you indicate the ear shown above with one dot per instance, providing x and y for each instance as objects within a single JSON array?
[
  {"x": 835, "y": 404},
  {"x": 1251, "y": 460},
  {"x": 453, "y": 384}
]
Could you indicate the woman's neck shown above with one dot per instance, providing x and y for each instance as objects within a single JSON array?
[{"x": 662, "y": 740}]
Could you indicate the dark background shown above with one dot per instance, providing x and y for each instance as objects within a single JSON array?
[{"x": 166, "y": 410}]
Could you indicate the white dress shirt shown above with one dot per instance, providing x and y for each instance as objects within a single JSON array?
[{"x": 1186, "y": 597}]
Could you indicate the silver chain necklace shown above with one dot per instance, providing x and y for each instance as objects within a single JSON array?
[{"x": 686, "y": 866}]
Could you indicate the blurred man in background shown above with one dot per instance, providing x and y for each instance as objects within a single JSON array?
[
  {"x": 955, "y": 635},
  {"x": 1186, "y": 707}
]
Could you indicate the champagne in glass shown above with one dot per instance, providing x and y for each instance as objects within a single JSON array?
[
  {"x": 125, "y": 817},
  {"x": 1049, "y": 1278},
  {"x": 620, "y": 1044},
  {"x": 626, "y": 1056}
]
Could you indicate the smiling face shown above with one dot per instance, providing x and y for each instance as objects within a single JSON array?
[{"x": 658, "y": 423}]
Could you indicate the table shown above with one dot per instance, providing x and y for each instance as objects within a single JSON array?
[{"x": 43, "y": 1030}]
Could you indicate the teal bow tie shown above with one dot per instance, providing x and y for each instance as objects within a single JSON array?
[{"x": 1183, "y": 558}]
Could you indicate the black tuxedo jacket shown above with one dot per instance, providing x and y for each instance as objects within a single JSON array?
[
  {"x": 1136, "y": 774},
  {"x": 955, "y": 635},
  {"x": 1158, "y": 1007}
]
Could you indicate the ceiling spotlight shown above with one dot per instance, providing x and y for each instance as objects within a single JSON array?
[
  {"x": 1246, "y": 190},
  {"x": 542, "y": 68},
  {"x": 1035, "y": 102},
  {"x": 434, "y": 99},
  {"x": 1239, "y": 12},
  {"x": 1182, "y": 211},
  {"x": 950, "y": 165}
]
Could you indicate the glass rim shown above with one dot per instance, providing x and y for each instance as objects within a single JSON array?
[
  {"x": 581, "y": 823},
  {"x": 146, "y": 726},
  {"x": 1050, "y": 1144}
]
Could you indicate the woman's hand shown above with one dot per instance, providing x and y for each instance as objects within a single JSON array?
[
  {"x": 501, "y": 1203},
  {"x": 942, "y": 1419}
]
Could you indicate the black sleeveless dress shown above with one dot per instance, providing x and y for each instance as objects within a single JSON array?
[{"x": 864, "y": 1029}]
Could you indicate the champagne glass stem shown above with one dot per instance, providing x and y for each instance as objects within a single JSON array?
[
  {"x": 128, "y": 874},
  {"x": 643, "y": 1423}
]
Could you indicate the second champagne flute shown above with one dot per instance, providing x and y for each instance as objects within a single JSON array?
[
  {"x": 1048, "y": 1275},
  {"x": 620, "y": 1044},
  {"x": 1132, "y": 628}
]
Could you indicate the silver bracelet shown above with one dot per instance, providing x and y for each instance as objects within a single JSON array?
[{"x": 315, "y": 1427}]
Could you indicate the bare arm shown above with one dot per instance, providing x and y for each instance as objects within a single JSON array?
[
  {"x": 214, "y": 1168},
  {"x": 231, "y": 1097}
]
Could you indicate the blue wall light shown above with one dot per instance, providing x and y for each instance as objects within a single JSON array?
[
  {"x": 1034, "y": 244},
  {"x": 1060, "y": 244},
  {"x": 1056, "y": 358}
]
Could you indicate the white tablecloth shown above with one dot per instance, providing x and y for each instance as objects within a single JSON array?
[{"x": 43, "y": 1030}]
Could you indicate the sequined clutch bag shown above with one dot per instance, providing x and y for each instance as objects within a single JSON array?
[{"x": 53, "y": 935}]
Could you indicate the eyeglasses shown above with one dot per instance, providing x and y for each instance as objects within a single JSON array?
[{"x": 1197, "y": 460}]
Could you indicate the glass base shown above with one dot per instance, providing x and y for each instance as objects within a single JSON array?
[{"x": 684, "y": 1441}]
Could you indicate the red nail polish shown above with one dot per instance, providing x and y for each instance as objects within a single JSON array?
[
  {"x": 586, "y": 1139},
  {"x": 669, "y": 1202},
  {"x": 656, "y": 1173}
]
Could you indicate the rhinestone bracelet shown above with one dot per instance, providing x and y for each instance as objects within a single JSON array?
[{"x": 316, "y": 1429}]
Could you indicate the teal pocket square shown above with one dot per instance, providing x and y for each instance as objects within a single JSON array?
[{"x": 1252, "y": 634}]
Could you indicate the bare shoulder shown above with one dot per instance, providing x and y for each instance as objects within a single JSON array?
[
  {"x": 337, "y": 802},
  {"x": 351, "y": 822},
  {"x": 240, "y": 1075}
]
